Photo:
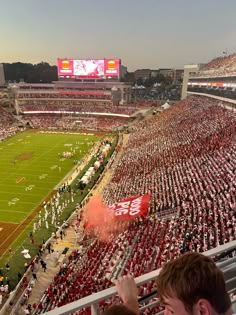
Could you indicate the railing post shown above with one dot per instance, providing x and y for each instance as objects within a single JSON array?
[{"x": 94, "y": 309}]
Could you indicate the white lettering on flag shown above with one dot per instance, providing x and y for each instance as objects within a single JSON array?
[{"x": 131, "y": 207}]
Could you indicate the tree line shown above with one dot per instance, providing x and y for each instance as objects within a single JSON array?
[
  {"x": 44, "y": 73},
  {"x": 30, "y": 73}
]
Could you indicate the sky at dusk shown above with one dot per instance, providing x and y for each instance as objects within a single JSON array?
[{"x": 142, "y": 33}]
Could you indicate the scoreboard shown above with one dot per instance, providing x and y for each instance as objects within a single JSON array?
[{"x": 88, "y": 68}]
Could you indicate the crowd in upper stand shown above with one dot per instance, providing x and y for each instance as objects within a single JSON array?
[
  {"x": 219, "y": 66},
  {"x": 185, "y": 158},
  {"x": 63, "y": 96}
]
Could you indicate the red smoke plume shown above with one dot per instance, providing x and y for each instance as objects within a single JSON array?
[{"x": 100, "y": 218}]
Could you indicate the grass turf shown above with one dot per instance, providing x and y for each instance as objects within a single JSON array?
[
  {"x": 29, "y": 171},
  {"x": 31, "y": 165}
]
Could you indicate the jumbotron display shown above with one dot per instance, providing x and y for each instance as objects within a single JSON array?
[{"x": 88, "y": 68}]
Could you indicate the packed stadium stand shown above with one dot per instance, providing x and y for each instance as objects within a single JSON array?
[
  {"x": 218, "y": 77},
  {"x": 72, "y": 105},
  {"x": 8, "y": 124},
  {"x": 220, "y": 66},
  {"x": 183, "y": 157}
]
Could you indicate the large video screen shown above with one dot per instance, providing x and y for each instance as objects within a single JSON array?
[{"x": 88, "y": 68}]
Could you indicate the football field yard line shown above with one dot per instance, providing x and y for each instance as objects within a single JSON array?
[
  {"x": 12, "y": 233},
  {"x": 24, "y": 186},
  {"x": 22, "y": 194},
  {"x": 22, "y": 202},
  {"x": 2, "y": 210},
  {"x": 44, "y": 157}
]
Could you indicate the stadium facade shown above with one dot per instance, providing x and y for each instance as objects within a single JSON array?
[{"x": 87, "y": 91}]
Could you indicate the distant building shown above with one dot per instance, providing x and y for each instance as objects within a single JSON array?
[
  {"x": 2, "y": 77},
  {"x": 123, "y": 72},
  {"x": 174, "y": 74},
  {"x": 154, "y": 73},
  {"x": 167, "y": 72},
  {"x": 179, "y": 74},
  {"x": 143, "y": 74}
]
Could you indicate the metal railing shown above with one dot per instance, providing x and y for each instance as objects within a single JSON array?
[{"x": 94, "y": 299}]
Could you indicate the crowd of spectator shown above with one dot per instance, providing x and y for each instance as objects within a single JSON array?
[
  {"x": 219, "y": 66},
  {"x": 8, "y": 124},
  {"x": 88, "y": 107},
  {"x": 86, "y": 122},
  {"x": 222, "y": 92},
  {"x": 76, "y": 96},
  {"x": 185, "y": 158},
  {"x": 3, "y": 97},
  {"x": 70, "y": 117}
]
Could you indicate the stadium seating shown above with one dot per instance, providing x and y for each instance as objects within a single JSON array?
[
  {"x": 46, "y": 112},
  {"x": 218, "y": 66},
  {"x": 92, "y": 107},
  {"x": 86, "y": 122},
  {"x": 8, "y": 124},
  {"x": 185, "y": 158}
]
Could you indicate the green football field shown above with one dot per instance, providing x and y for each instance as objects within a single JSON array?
[{"x": 31, "y": 166}]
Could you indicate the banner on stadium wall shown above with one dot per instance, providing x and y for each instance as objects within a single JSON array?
[{"x": 131, "y": 208}]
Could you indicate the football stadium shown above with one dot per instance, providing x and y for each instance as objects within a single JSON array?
[{"x": 96, "y": 184}]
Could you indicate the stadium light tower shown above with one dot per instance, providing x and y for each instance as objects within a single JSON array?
[{"x": 187, "y": 69}]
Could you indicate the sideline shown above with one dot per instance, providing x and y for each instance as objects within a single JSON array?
[{"x": 59, "y": 245}]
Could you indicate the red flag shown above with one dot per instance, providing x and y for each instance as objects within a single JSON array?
[
  {"x": 131, "y": 208},
  {"x": 98, "y": 214}
]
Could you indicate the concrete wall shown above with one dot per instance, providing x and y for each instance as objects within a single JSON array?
[
  {"x": 2, "y": 77},
  {"x": 187, "y": 69}
]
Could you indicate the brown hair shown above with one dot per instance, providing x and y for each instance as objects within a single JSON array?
[
  {"x": 192, "y": 277},
  {"x": 118, "y": 309}
]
